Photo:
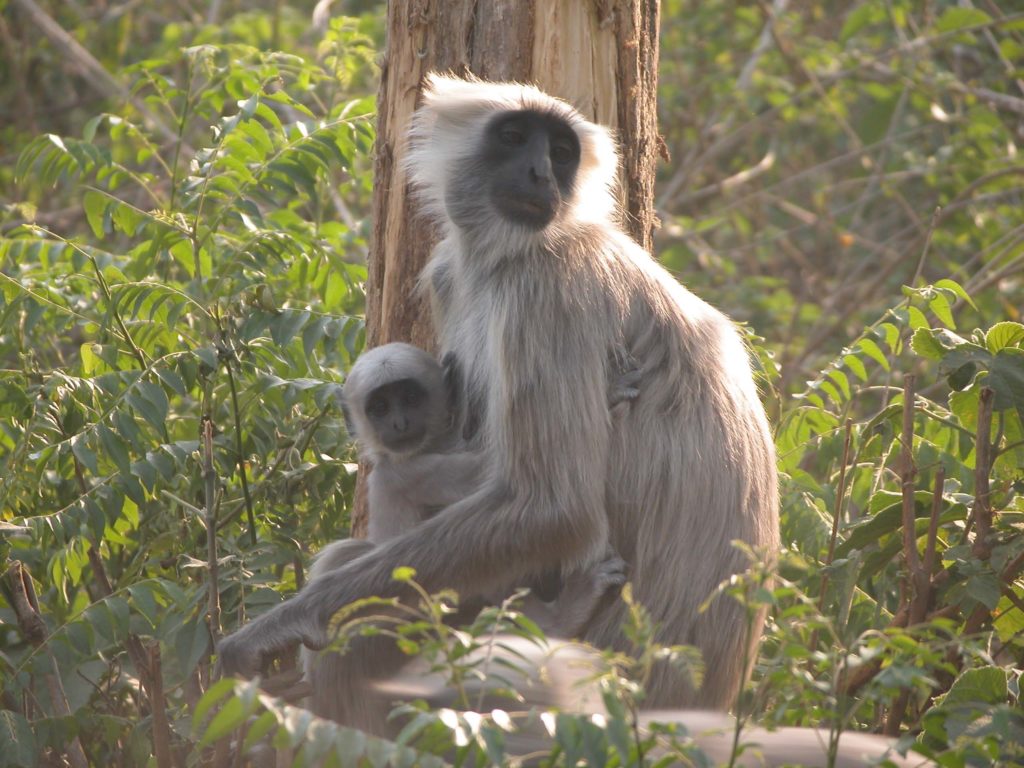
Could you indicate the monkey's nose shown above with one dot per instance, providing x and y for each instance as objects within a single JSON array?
[{"x": 540, "y": 166}]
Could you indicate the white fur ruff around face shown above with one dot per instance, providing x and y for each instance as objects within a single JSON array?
[{"x": 454, "y": 108}]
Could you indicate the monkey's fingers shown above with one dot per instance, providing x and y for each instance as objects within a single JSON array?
[
  {"x": 236, "y": 659},
  {"x": 289, "y": 685}
]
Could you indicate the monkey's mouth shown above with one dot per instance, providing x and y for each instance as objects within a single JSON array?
[
  {"x": 533, "y": 212},
  {"x": 406, "y": 443}
]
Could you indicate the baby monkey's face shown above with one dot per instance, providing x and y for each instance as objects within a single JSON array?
[{"x": 400, "y": 414}]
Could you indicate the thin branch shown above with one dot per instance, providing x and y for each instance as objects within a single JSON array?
[
  {"x": 236, "y": 412},
  {"x": 837, "y": 514},
  {"x": 161, "y": 725},
  {"x": 210, "y": 485},
  {"x": 911, "y": 581},
  {"x": 136, "y": 352},
  {"x": 982, "y": 510},
  {"x": 933, "y": 523},
  {"x": 908, "y": 472}
]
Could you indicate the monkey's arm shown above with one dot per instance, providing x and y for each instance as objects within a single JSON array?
[{"x": 337, "y": 554}]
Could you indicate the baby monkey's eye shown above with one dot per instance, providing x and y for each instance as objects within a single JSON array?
[{"x": 377, "y": 407}]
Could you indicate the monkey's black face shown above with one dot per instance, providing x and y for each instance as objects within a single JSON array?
[
  {"x": 399, "y": 413},
  {"x": 531, "y": 159}
]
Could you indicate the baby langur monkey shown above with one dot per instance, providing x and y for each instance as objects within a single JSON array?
[{"x": 402, "y": 407}]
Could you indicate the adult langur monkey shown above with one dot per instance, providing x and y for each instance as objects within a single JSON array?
[{"x": 535, "y": 287}]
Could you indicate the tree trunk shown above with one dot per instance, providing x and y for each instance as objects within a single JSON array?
[{"x": 599, "y": 55}]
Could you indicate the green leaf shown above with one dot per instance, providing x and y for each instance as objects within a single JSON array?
[
  {"x": 1006, "y": 377},
  {"x": 115, "y": 447},
  {"x": 916, "y": 318},
  {"x": 192, "y": 642},
  {"x": 892, "y": 336},
  {"x": 286, "y": 325},
  {"x": 924, "y": 344},
  {"x": 974, "y": 686},
  {"x": 956, "y": 289},
  {"x": 985, "y": 588},
  {"x": 872, "y": 350},
  {"x": 17, "y": 742},
  {"x": 230, "y": 717},
  {"x": 171, "y": 378},
  {"x": 856, "y": 366},
  {"x": 403, "y": 573},
  {"x": 939, "y": 305},
  {"x": 961, "y": 378},
  {"x": 84, "y": 454},
  {"x": 95, "y": 206},
  {"x": 841, "y": 381},
  {"x": 1003, "y": 335},
  {"x": 207, "y": 357},
  {"x": 156, "y": 404},
  {"x": 860, "y": 17},
  {"x": 957, "y": 18}
]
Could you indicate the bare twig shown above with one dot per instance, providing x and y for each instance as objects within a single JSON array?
[
  {"x": 33, "y": 628},
  {"x": 213, "y": 14},
  {"x": 982, "y": 510},
  {"x": 837, "y": 515},
  {"x": 730, "y": 183},
  {"x": 908, "y": 473},
  {"x": 161, "y": 726},
  {"x": 210, "y": 485},
  {"x": 242, "y": 472},
  {"x": 915, "y": 592},
  {"x": 933, "y": 524}
]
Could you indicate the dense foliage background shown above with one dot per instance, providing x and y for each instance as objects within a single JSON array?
[{"x": 183, "y": 220}]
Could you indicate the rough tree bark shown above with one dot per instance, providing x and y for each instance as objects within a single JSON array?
[{"x": 599, "y": 55}]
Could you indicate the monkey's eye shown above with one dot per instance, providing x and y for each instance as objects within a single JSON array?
[
  {"x": 562, "y": 154},
  {"x": 377, "y": 407},
  {"x": 412, "y": 397},
  {"x": 511, "y": 136}
]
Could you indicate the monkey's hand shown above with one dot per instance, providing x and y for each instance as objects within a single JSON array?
[
  {"x": 247, "y": 652},
  {"x": 583, "y": 593},
  {"x": 586, "y": 591},
  {"x": 590, "y": 586}
]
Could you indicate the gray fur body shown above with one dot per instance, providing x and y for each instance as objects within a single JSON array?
[{"x": 536, "y": 318}]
